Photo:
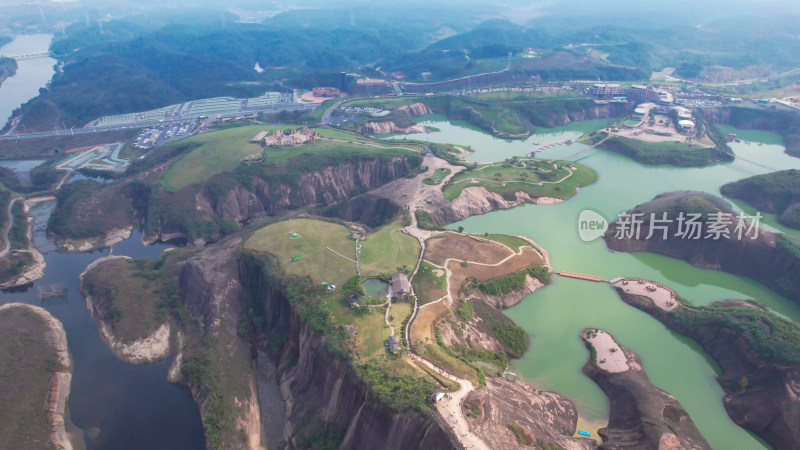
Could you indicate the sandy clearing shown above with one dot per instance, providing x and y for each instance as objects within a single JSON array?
[
  {"x": 464, "y": 247},
  {"x": 421, "y": 327},
  {"x": 609, "y": 356},
  {"x": 662, "y": 296},
  {"x": 483, "y": 272}
]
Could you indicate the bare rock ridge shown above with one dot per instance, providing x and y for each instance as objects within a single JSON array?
[
  {"x": 764, "y": 258},
  {"x": 761, "y": 396},
  {"x": 111, "y": 237},
  {"x": 417, "y": 109},
  {"x": 476, "y": 200},
  {"x": 368, "y": 209},
  {"x": 183, "y": 214},
  {"x": 546, "y": 417},
  {"x": 388, "y": 127},
  {"x": 317, "y": 389},
  {"x": 211, "y": 291},
  {"x": 323, "y": 187},
  {"x": 641, "y": 415},
  {"x": 320, "y": 389},
  {"x": 595, "y": 111}
]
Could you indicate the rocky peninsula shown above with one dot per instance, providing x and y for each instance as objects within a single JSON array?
[
  {"x": 757, "y": 352},
  {"x": 641, "y": 415},
  {"x": 506, "y": 412},
  {"x": 773, "y": 259},
  {"x": 124, "y": 308},
  {"x": 775, "y": 193},
  {"x": 33, "y": 340},
  {"x": 22, "y": 263}
]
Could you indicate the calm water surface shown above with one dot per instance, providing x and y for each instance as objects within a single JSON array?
[
  {"x": 555, "y": 315},
  {"x": 31, "y": 75},
  {"x": 131, "y": 406}
]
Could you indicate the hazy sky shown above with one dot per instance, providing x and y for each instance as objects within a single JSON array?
[{"x": 691, "y": 12}]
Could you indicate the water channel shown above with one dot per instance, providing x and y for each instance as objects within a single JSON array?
[
  {"x": 31, "y": 74},
  {"x": 117, "y": 405},
  {"x": 120, "y": 405}
]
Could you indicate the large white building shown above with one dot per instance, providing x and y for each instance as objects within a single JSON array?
[
  {"x": 633, "y": 92},
  {"x": 686, "y": 126}
]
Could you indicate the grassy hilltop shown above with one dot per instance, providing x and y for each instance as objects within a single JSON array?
[
  {"x": 537, "y": 178},
  {"x": 776, "y": 192},
  {"x": 165, "y": 186},
  {"x": 223, "y": 151}
]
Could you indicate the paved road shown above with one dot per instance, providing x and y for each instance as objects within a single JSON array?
[
  {"x": 738, "y": 82},
  {"x": 135, "y": 125}
]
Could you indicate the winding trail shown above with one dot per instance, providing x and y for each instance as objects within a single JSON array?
[
  {"x": 7, "y": 243},
  {"x": 503, "y": 183},
  {"x": 448, "y": 273},
  {"x": 449, "y": 408}
]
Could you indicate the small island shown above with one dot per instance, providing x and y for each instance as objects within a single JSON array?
[
  {"x": 126, "y": 299},
  {"x": 8, "y": 67},
  {"x": 20, "y": 260}
]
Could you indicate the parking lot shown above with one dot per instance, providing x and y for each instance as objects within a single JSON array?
[{"x": 158, "y": 135}]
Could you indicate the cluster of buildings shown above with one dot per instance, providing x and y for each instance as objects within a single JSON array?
[
  {"x": 399, "y": 286},
  {"x": 537, "y": 88},
  {"x": 684, "y": 121},
  {"x": 286, "y": 138},
  {"x": 653, "y": 101},
  {"x": 632, "y": 93}
]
